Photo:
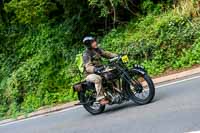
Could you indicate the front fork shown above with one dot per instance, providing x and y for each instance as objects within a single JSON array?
[{"x": 128, "y": 80}]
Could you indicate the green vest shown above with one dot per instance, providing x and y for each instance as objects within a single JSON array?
[{"x": 79, "y": 62}]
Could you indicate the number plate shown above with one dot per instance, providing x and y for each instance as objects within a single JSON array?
[{"x": 125, "y": 59}]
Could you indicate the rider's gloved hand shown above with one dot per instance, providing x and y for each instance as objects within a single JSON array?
[{"x": 98, "y": 70}]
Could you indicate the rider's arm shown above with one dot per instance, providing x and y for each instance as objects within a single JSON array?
[
  {"x": 89, "y": 67},
  {"x": 108, "y": 54}
]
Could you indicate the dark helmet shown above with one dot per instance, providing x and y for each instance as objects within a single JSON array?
[{"x": 88, "y": 41}]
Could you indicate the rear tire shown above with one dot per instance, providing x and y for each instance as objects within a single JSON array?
[{"x": 83, "y": 99}]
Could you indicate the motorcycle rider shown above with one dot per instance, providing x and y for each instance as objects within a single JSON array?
[{"x": 93, "y": 67}]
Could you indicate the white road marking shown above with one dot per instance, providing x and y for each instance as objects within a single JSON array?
[
  {"x": 76, "y": 107},
  {"x": 194, "y": 132},
  {"x": 176, "y": 82},
  {"x": 39, "y": 116}
]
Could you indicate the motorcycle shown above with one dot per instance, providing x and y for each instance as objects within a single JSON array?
[{"x": 120, "y": 85}]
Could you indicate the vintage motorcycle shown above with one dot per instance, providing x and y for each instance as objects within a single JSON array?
[{"x": 120, "y": 84}]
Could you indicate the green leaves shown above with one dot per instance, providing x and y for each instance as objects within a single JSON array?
[
  {"x": 38, "y": 63},
  {"x": 27, "y": 11},
  {"x": 159, "y": 43},
  {"x": 40, "y": 73}
]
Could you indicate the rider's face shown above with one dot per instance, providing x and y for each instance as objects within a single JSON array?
[{"x": 94, "y": 45}]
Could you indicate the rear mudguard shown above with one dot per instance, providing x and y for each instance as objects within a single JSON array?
[{"x": 82, "y": 86}]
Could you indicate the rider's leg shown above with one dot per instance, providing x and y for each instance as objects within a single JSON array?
[{"x": 97, "y": 80}]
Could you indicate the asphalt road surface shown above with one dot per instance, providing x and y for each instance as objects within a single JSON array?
[{"x": 175, "y": 109}]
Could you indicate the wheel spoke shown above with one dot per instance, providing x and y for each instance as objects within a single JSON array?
[{"x": 145, "y": 92}]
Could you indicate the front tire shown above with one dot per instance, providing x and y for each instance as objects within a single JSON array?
[{"x": 143, "y": 81}]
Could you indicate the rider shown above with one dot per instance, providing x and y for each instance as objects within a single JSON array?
[{"x": 93, "y": 67}]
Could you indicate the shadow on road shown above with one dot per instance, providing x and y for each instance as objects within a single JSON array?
[{"x": 115, "y": 108}]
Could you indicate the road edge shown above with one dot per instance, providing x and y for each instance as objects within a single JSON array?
[{"x": 72, "y": 104}]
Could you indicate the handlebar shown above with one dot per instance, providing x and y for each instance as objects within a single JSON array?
[{"x": 114, "y": 59}]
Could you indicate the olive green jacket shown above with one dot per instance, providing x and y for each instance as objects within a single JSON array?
[{"x": 92, "y": 59}]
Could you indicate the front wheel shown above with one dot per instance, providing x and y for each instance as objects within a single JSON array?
[
  {"x": 141, "y": 90},
  {"x": 90, "y": 104}
]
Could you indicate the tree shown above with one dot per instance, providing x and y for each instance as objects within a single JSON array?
[{"x": 3, "y": 16}]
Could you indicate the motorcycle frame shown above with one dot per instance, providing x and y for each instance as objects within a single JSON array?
[{"x": 125, "y": 74}]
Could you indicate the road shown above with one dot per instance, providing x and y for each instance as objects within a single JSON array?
[{"x": 175, "y": 109}]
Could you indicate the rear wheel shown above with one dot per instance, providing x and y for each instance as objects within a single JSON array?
[
  {"x": 90, "y": 104},
  {"x": 142, "y": 90}
]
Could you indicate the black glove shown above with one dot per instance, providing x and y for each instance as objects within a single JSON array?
[{"x": 98, "y": 70}]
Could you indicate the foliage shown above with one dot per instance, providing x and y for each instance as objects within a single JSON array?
[
  {"x": 188, "y": 8},
  {"x": 41, "y": 39},
  {"x": 157, "y": 42},
  {"x": 38, "y": 74},
  {"x": 27, "y": 12}
]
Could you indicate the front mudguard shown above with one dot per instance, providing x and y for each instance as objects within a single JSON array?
[{"x": 137, "y": 69}]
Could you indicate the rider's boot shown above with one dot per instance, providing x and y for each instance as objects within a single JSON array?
[{"x": 103, "y": 101}]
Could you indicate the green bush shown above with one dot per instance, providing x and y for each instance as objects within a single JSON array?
[
  {"x": 157, "y": 42},
  {"x": 40, "y": 72},
  {"x": 37, "y": 65}
]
